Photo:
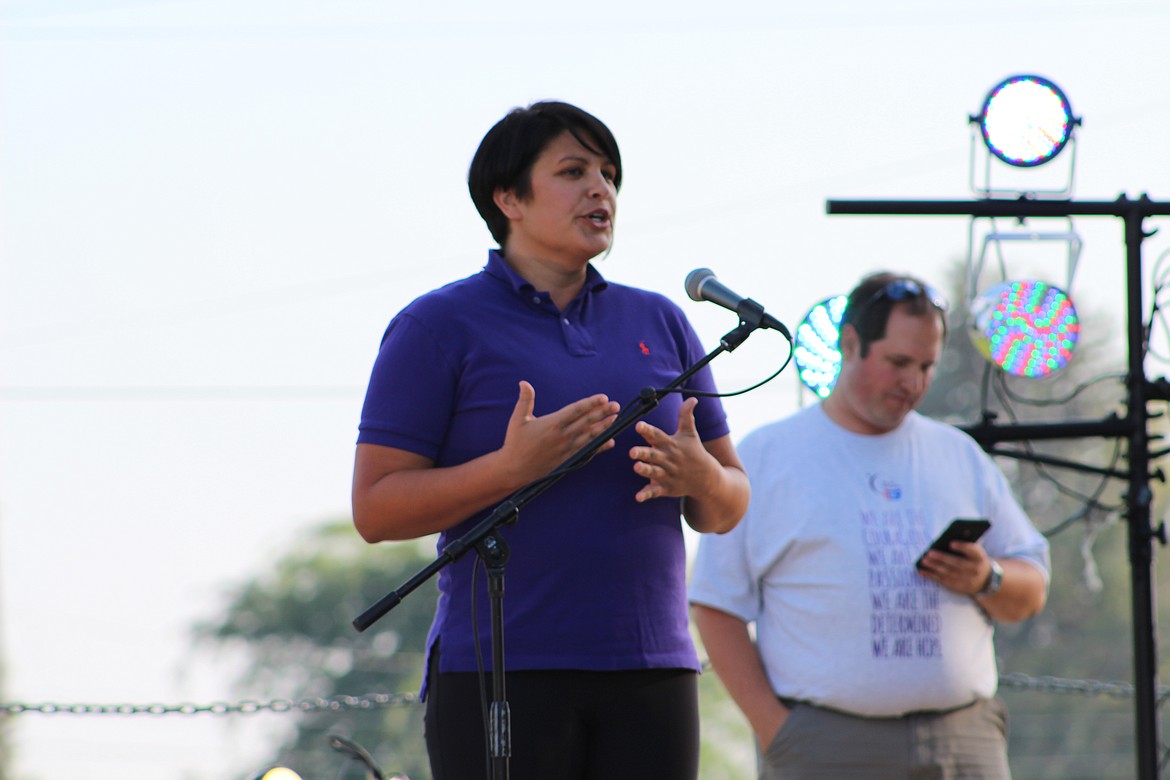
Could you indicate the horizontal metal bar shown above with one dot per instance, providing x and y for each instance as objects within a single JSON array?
[{"x": 997, "y": 207}]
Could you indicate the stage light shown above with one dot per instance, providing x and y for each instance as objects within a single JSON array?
[
  {"x": 1028, "y": 328},
  {"x": 1026, "y": 121},
  {"x": 277, "y": 773},
  {"x": 815, "y": 350}
]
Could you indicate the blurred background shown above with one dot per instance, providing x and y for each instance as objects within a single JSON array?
[{"x": 209, "y": 211}]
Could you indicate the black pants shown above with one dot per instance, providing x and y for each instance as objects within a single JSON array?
[{"x": 570, "y": 725}]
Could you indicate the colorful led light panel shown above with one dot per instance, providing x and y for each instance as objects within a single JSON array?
[
  {"x": 1026, "y": 121},
  {"x": 1027, "y": 328},
  {"x": 818, "y": 360}
]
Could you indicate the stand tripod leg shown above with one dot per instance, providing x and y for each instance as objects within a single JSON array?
[{"x": 493, "y": 551}]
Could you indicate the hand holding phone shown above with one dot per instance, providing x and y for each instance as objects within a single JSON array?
[{"x": 963, "y": 529}]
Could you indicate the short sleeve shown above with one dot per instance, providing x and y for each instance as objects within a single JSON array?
[{"x": 411, "y": 392}]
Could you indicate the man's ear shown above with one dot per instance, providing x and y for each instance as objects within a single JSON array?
[
  {"x": 849, "y": 343},
  {"x": 506, "y": 202}
]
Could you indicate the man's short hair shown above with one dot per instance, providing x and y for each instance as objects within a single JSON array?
[
  {"x": 872, "y": 300},
  {"x": 507, "y": 153}
]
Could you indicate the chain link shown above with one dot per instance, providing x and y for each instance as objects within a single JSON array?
[
  {"x": 370, "y": 701},
  {"x": 375, "y": 701},
  {"x": 1048, "y": 684}
]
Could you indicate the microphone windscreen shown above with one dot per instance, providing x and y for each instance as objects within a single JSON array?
[{"x": 694, "y": 283}]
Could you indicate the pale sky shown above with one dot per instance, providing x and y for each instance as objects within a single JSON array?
[{"x": 210, "y": 210}]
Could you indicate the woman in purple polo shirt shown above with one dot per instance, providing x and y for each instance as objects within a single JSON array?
[{"x": 489, "y": 383}]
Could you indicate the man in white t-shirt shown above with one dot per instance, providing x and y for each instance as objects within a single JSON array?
[{"x": 864, "y": 665}]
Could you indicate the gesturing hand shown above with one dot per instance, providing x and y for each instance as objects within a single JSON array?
[
  {"x": 534, "y": 446},
  {"x": 677, "y": 465}
]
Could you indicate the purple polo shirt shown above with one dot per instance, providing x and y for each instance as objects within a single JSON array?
[{"x": 596, "y": 581}]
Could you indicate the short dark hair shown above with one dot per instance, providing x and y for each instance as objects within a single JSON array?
[
  {"x": 507, "y": 153},
  {"x": 868, "y": 309}
]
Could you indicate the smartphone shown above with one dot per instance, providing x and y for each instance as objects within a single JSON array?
[{"x": 963, "y": 529}]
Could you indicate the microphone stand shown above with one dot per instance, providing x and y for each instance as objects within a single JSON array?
[{"x": 494, "y": 552}]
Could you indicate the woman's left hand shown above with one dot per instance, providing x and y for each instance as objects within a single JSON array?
[{"x": 677, "y": 465}]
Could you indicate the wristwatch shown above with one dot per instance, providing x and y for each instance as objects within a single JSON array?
[{"x": 994, "y": 580}]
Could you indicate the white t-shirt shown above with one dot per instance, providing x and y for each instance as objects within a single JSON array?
[{"x": 823, "y": 563}]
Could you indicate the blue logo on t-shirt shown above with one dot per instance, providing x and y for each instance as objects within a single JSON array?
[{"x": 886, "y": 488}]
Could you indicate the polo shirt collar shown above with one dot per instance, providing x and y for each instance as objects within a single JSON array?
[{"x": 498, "y": 267}]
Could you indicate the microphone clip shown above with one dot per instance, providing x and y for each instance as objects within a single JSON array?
[{"x": 746, "y": 327}]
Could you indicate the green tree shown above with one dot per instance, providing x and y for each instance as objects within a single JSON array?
[{"x": 294, "y": 622}]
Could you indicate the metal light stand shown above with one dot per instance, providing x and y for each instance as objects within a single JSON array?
[
  {"x": 494, "y": 551},
  {"x": 1133, "y": 426}
]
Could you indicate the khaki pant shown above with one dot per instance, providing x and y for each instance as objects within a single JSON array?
[{"x": 820, "y": 744}]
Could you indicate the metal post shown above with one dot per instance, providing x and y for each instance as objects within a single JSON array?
[{"x": 1138, "y": 502}]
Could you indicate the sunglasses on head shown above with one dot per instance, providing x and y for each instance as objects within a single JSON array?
[{"x": 899, "y": 290}]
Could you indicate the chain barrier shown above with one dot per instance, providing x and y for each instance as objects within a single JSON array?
[
  {"x": 374, "y": 701},
  {"x": 370, "y": 701},
  {"x": 1048, "y": 684}
]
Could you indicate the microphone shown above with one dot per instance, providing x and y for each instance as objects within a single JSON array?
[{"x": 701, "y": 285}]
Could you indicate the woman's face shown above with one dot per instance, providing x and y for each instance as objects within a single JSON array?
[{"x": 568, "y": 216}]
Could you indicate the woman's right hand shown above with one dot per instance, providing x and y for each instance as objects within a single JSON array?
[
  {"x": 534, "y": 446},
  {"x": 398, "y": 494}
]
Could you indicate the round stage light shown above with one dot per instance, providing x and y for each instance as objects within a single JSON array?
[
  {"x": 278, "y": 773},
  {"x": 1028, "y": 328},
  {"x": 1026, "y": 120},
  {"x": 815, "y": 350}
]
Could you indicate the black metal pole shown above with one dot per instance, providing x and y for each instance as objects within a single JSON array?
[
  {"x": 494, "y": 552},
  {"x": 1134, "y": 428},
  {"x": 1138, "y": 510}
]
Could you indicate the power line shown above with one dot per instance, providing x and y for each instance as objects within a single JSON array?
[{"x": 178, "y": 393}]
